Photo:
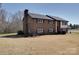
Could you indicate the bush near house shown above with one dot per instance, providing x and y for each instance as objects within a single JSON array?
[{"x": 20, "y": 33}]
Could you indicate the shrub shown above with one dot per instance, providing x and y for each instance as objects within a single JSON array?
[
  {"x": 20, "y": 33},
  {"x": 63, "y": 32}
]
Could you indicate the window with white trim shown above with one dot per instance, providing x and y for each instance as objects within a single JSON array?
[
  {"x": 39, "y": 30},
  {"x": 40, "y": 20},
  {"x": 29, "y": 30},
  {"x": 50, "y": 29},
  {"x": 64, "y": 23},
  {"x": 49, "y": 21}
]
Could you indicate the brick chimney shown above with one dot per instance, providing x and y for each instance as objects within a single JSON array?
[
  {"x": 25, "y": 12},
  {"x": 25, "y": 22}
]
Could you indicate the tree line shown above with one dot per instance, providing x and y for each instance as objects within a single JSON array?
[
  {"x": 74, "y": 26},
  {"x": 10, "y": 22}
]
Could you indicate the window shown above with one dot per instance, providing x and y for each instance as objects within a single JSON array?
[
  {"x": 39, "y": 30},
  {"x": 40, "y": 20},
  {"x": 50, "y": 22},
  {"x": 64, "y": 23},
  {"x": 50, "y": 29},
  {"x": 29, "y": 30}
]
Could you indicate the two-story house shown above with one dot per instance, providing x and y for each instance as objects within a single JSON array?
[{"x": 43, "y": 24}]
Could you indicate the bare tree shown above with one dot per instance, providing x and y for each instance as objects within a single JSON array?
[
  {"x": 10, "y": 22},
  {"x": 16, "y": 22},
  {"x": 3, "y": 15},
  {"x": 0, "y": 5}
]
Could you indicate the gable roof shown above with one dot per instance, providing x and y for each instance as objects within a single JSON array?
[
  {"x": 39, "y": 16},
  {"x": 33, "y": 15},
  {"x": 57, "y": 18}
]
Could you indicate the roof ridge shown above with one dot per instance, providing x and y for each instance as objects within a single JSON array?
[{"x": 34, "y": 15}]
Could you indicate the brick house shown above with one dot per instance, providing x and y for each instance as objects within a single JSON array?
[{"x": 42, "y": 24}]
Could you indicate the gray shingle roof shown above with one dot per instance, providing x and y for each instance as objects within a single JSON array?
[
  {"x": 33, "y": 15},
  {"x": 58, "y": 18}
]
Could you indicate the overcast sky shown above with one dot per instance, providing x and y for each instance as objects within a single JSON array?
[{"x": 66, "y": 11}]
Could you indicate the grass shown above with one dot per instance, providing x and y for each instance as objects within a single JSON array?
[
  {"x": 76, "y": 32},
  {"x": 5, "y": 34},
  {"x": 45, "y": 45}
]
